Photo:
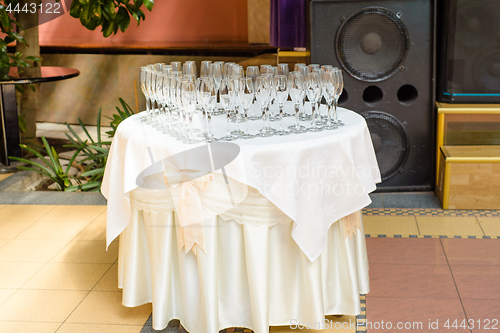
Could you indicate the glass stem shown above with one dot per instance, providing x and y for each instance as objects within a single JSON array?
[
  {"x": 313, "y": 114},
  {"x": 281, "y": 118},
  {"x": 268, "y": 116},
  {"x": 297, "y": 111},
  {"x": 245, "y": 115},
  {"x": 329, "y": 106},
  {"x": 236, "y": 114},
  {"x": 228, "y": 132},
  {"x": 335, "y": 119},
  {"x": 204, "y": 121},
  {"x": 263, "y": 109},
  {"x": 209, "y": 125}
]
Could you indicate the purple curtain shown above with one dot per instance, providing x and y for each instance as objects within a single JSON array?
[{"x": 288, "y": 23}]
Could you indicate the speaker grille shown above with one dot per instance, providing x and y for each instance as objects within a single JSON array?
[
  {"x": 390, "y": 142},
  {"x": 486, "y": 71},
  {"x": 372, "y": 44},
  {"x": 475, "y": 24}
]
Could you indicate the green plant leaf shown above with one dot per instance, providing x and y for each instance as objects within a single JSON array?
[
  {"x": 149, "y": 4},
  {"x": 123, "y": 18},
  {"x": 22, "y": 123}
]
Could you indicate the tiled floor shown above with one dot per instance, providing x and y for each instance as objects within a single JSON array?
[{"x": 55, "y": 275}]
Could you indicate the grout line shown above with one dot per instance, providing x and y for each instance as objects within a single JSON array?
[
  {"x": 418, "y": 228},
  {"x": 484, "y": 233},
  {"x": 455, "y": 283}
]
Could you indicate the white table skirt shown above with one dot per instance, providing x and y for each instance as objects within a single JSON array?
[{"x": 251, "y": 276}]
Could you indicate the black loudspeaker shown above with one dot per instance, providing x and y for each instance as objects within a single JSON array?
[
  {"x": 386, "y": 52},
  {"x": 469, "y": 51}
]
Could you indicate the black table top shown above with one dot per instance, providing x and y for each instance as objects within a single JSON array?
[{"x": 39, "y": 74}]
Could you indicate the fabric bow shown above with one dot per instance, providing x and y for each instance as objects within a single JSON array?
[
  {"x": 350, "y": 223},
  {"x": 188, "y": 205}
]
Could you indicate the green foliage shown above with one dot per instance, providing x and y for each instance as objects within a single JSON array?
[
  {"x": 51, "y": 167},
  {"x": 111, "y": 15},
  {"x": 95, "y": 156},
  {"x": 10, "y": 28},
  {"x": 119, "y": 117},
  {"x": 94, "y": 153}
]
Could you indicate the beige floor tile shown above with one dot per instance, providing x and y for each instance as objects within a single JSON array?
[
  {"x": 41, "y": 305},
  {"x": 332, "y": 324},
  {"x": 11, "y": 229},
  {"x": 18, "y": 327},
  {"x": 67, "y": 276},
  {"x": 102, "y": 217},
  {"x": 51, "y": 230},
  {"x": 74, "y": 213},
  {"x": 448, "y": 226},
  {"x": 5, "y": 176},
  {"x": 88, "y": 252},
  {"x": 105, "y": 307},
  {"x": 109, "y": 281},
  {"x": 490, "y": 225},
  {"x": 94, "y": 231},
  {"x": 28, "y": 213},
  {"x": 15, "y": 274},
  {"x": 95, "y": 328},
  {"x": 390, "y": 225},
  {"x": 21, "y": 250},
  {"x": 5, "y": 294}
]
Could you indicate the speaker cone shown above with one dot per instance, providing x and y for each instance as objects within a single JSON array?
[
  {"x": 486, "y": 71},
  {"x": 390, "y": 142},
  {"x": 475, "y": 24},
  {"x": 372, "y": 43}
]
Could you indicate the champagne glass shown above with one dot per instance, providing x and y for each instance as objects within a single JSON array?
[
  {"x": 167, "y": 129},
  {"x": 209, "y": 96},
  {"x": 227, "y": 69},
  {"x": 159, "y": 99},
  {"x": 246, "y": 94},
  {"x": 176, "y": 66},
  {"x": 313, "y": 67},
  {"x": 225, "y": 102},
  {"x": 237, "y": 70},
  {"x": 283, "y": 69},
  {"x": 253, "y": 72},
  {"x": 143, "y": 78},
  {"x": 313, "y": 91},
  {"x": 216, "y": 73},
  {"x": 205, "y": 68},
  {"x": 189, "y": 67},
  {"x": 175, "y": 79},
  {"x": 297, "y": 65},
  {"x": 281, "y": 87},
  {"x": 265, "y": 69},
  {"x": 263, "y": 94},
  {"x": 234, "y": 87},
  {"x": 188, "y": 101},
  {"x": 303, "y": 69},
  {"x": 329, "y": 86},
  {"x": 202, "y": 103},
  {"x": 151, "y": 86},
  {"x": 296, "y": 90},
  {"x": 338, "y": 92}
]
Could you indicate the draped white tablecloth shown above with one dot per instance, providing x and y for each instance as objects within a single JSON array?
[
  {"x": 314, "y": 178},
  {"x": 277, "y": 253}
]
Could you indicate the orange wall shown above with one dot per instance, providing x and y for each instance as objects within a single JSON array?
[{"x": 170, "y": 20}]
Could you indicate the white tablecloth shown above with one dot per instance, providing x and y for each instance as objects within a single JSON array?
[
  {"x": 252, "y": 275},
  {"x": 313, "y": 178}
]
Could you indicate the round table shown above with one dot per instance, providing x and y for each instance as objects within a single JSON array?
[
  {"x": 9, "y": 131},
  {"x": 280, "y": 251}
]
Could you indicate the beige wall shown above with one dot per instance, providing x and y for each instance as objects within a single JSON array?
[{"x": 103, "y": 79}]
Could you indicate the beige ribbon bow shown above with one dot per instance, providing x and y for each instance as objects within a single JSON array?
[
  {"x": 188, "y": 205},
  {"x": 350, "y": 223}
]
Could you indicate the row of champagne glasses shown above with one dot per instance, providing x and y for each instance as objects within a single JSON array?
[{"x": 174, "y": 93}]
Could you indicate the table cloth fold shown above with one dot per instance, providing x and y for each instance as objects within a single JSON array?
[{"x": 314, "y": 178}]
